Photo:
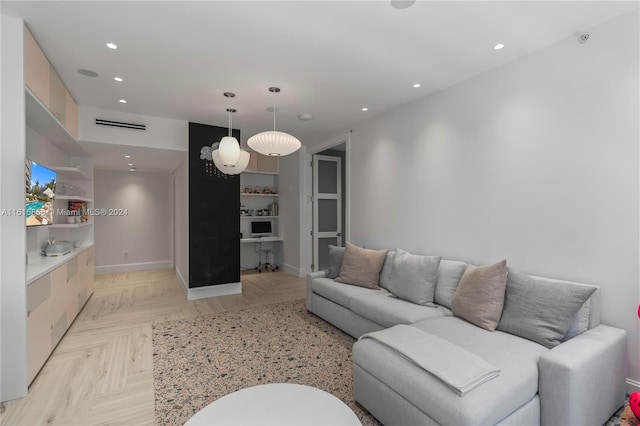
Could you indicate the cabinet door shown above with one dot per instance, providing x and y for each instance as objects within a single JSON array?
[
  {"x": 83, "y": 284},
  {"x": 58, "y": 293},
  {"x": 90, "y": 272},
  {"x": 71, "y": 291},
  {"x": 38, "y": 325},
  {"x": 58, "y": 96},
  {"x": 36, "y": 69},
  {"x": 72, "y": 115}
]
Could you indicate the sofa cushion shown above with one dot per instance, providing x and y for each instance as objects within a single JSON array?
[
  {"x": 491, "y": 402},
  {"x": 449, "y": 274},
  {"x": 338, "y": 292},
  {"x": 361, "y": 266},
  {"x": 479, "y": 297},
  {"x": 541, "y": 310},
  {"x": 414, "y": 277},
  {"x": 335, "y": 261},
  {"x": 387, "y": 268},
  {"x": 388, "y": 311}
]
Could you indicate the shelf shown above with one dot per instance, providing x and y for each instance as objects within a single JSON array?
[
  {"x": 73, "y": 198},
  {"x": 256, "y": 172},
  {"x": 242, "y": 194},
  {"x": 259, "y": 217},
  {"x": 72, "y": 172},
  {"x": 40, "y": 119},
  {"x": 70, "y": 225}
]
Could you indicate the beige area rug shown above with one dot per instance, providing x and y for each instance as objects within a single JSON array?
[{"x": 198, "y": 360}]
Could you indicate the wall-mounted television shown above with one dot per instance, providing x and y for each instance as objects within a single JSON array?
[{"x": 40, "y": 185}]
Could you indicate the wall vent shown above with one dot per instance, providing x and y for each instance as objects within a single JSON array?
[{"x": 125, "y": 125}]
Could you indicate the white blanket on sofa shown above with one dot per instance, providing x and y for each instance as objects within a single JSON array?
[{"x": 458, "y": 368}]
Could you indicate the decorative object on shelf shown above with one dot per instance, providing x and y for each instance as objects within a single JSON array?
[
  {"x": 248, "y": 189},
  {"x": 257, "y": 189},
  {"x": 272, "y": 142}
]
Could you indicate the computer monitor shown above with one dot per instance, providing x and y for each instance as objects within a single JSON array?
[{"x": 261, "y": 228}]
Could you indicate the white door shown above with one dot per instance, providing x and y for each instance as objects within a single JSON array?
[{"x": 327, "y": 208}]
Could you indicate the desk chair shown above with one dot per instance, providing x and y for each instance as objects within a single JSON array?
[{"x": 266, "y": 265}]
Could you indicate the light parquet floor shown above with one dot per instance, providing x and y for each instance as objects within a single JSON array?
[{"x": 101, "y": 373}]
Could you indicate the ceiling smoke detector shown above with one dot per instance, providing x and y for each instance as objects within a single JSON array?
[
  {"x": 584, "y": 38},
  {"x": 402, "y": 4}
]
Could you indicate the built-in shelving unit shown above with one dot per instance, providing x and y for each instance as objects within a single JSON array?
[
  {"x": 74, "y": 198},
  {"x": 44, "y": 122},
  {"x": 259, "y": 217},
  {"x": 72, "y": 172},
  {"x": 57, "y": 287},
  {"x": 259, "y": 195}
]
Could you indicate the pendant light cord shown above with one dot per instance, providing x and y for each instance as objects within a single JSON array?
[
  {"x": 274, "y": 111},
  {"x": 229, "y": 123}
]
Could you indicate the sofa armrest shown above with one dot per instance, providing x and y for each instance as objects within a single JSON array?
[
  {"x": 310, "y": 277},
  {"x": 582, "y": 381}
]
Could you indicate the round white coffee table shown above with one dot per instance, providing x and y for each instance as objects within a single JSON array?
[{"x": 276, "y": 404}]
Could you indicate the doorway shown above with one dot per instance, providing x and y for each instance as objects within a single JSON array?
[{"x": 328, "y": 203}]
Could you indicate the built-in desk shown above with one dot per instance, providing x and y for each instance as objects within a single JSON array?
[{"x": 259, "y": 241}]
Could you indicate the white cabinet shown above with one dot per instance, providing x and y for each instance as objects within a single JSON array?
[{"x": 53, "y": 302}]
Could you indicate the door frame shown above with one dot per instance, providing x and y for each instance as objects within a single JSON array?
[{"x": 306, "y": 241}]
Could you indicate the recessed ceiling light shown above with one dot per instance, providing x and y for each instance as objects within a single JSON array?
[
  {"x": 87, "y": 73},
  {"x": 133, "y": 169},
  {"x": 130, "y": 164},
  {"x": 123, "y": 101},
  {"x": 305, "y": 117},
  {"x": 417, "y": 85},
  {"x": 118, "y": 79},
  {"x": 111, "y": 46},
  {"x": 365, "y": 109},
  {"x": 498, "y": 46},
  {"x": 127, "y": 156}
]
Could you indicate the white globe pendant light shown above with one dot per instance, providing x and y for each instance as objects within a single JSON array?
[
  {"x": 274, "y": 143},
  {"x": 227, "y": 155}
]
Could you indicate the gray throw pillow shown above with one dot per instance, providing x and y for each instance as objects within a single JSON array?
[
  {"x": 387, "y": 268},
  {"x": 414, "y": 277},
  {"x": 541, "y": 311},
  {"x": 479, "y": 297},
  {"x": 335, "y": 261},
  {"x": 449, "y": 274},
  {"x": 361, "y": 266}
]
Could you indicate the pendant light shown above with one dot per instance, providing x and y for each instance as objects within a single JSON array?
[
  {"x": 226, "y": 154},
  {"x": 274, "y": 143}
]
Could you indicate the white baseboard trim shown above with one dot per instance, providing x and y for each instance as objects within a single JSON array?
[
  {"x": 290, "y": 269},
  {"x": 183, "y": 283},
  {"x": 633, "y": 386},
  {"x": 214, "y": 290},
  {"x": 128, "y": 267}
]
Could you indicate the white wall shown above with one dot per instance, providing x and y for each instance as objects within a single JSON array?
[
  {"x": 144, "y": 232},
  {"x": 181, "y": 223},
  {"x": 160, "y": 133},
  {"x": 536, "y": 162},
  {"x": 13, "y": 310},
  {"x": 290, "y": 185}
]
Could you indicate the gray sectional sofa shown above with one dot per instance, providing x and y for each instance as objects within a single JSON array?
[{"x": 581, "y": 381}]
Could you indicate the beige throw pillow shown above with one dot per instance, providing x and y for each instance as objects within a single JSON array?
[
  {"x": 361, "y": 266},
  {"x": 479, "y": 297}
]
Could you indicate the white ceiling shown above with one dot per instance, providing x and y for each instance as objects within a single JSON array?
[{"x": 330, "y": 58}]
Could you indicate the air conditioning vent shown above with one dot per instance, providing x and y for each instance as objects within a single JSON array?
[{"x": 134, "y": 126}]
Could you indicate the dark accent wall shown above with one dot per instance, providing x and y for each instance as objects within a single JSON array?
[{"x": 214, "y": 214}]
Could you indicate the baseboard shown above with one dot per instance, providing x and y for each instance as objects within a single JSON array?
[
  {"x": 633, "y": 386},
  {"x": 128, "y": 267},
  {"x": 214, "y": 290},
  {"x": 290, "y": 269},
  {"x": 183, "y": 283}
]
